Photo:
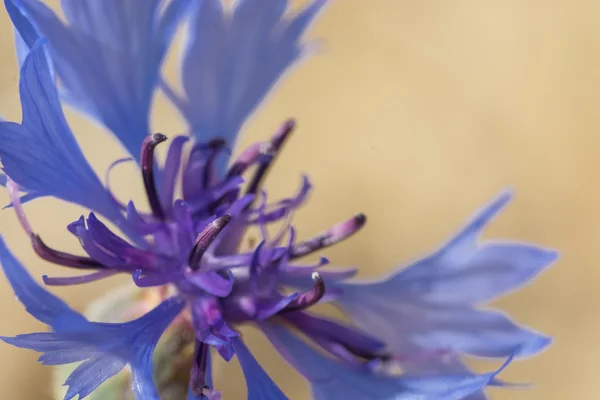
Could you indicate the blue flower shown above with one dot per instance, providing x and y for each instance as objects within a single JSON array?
[
  {"x": 104, "y": 348},
  {"x": 108, "y": 57},
  {"x": 425, "y": 318}
]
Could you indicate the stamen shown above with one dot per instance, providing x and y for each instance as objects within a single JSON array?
[
  {"x": 334, "y": 235},
  {"x": 155, "y": 279},
  {"x": 385, "y": 358},
  {"x": 199, "y": 172},
  {"x": 77, "y": 280},
  {"x": 13, "y": 191},
  {"x": 215, "y": 145},
  {"x": 420, "y": 356},
  {"x": 45, "y": 252},
  {"x": 198, "y": 373},
  {"x": 271, "y": 151},
  {"x": 147, "y": 162},
  {"x": 205, "y": 238},
  {"x": 61, "y": 258},
  {"x": 255, "y": 261},
  {"x": 107, "y": 175},
  {"x": 309, "y": 298},
  {"x": 246, "y": 159}
]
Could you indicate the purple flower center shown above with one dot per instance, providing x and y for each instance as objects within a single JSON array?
[{"x": 192, "y": 244}]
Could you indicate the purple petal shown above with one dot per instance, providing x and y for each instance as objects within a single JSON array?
[
  {"x": 212, "y": 282},
  {"x": 106, "y": 247},
  {"x": 268, "y": 309},
  {"x": 209, "y": 323},
  {"x": 155, "y": 278},
  {"x": 169, "y": 172},
  {"x": 141, "y": 224},
  {"x": 276, "y": 211}
]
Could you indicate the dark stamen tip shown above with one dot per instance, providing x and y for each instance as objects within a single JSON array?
[
  {"x": 285, "y": 130},
  {"x": 336, "y": 234},
  {"x": 319, "y": 284},
  {"x": 205, "y": 239},
  {"x": 220, "y": 222},
  {"x": 216, "y": 143},
  {"x": 310, "y": 298},
  {"x": 289, "y": 124},
  {"x": 158, "y": 138},
  {"x": 360, "y": 219},
  {"x": 147, "y": 164}
]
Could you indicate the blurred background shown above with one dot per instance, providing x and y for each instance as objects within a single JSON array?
[{"x": 416, "y": 112}]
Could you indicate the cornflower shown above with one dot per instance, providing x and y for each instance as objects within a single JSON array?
[{"x": 423, "y": 318}]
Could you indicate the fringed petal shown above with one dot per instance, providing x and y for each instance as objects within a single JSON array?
[
  {"x": 233, "y": 60},
  {"x": 105, "y": 348},
  {"x": 260, "y": 385},
  {"x": 109, "y": 57},
  {"x": 41, "y": 154},
  {"x": 331, "y": 379}
]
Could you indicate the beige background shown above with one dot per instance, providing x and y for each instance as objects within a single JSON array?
[{"x": 418, "y": 112}]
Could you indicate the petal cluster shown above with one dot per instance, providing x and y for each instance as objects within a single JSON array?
[{"x": 105, "y": 58}]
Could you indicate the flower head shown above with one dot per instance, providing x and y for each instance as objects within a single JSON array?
[{"x": 423, "y": 318}]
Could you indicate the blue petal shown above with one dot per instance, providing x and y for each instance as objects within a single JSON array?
[
  {"x": 260, "y": 385},
  {"x": 463, "y": 386},
  {"x": 333, "y": 380},
  {"x": 233, "y": 61},
  {"x": 25, "y": 33},
  {"x": 429, "y": 305},
  {"x": 407, "y": 325},
  {"x": 467, "y": 272},
  {"x": 91, "y": 374},
  {"x": 450, "y": 365},
  {"x": 109, "y": 57},
  {"x": 418, "y": 306},
  {"x": 105, "y": 348},
  {"x": 44, "y": 306},
  {"x": 41, "y": 154}
]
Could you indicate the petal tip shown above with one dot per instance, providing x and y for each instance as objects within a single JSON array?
[
  {"x": 535, "y": 345},
  {"x": 504, "y": 197}
]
